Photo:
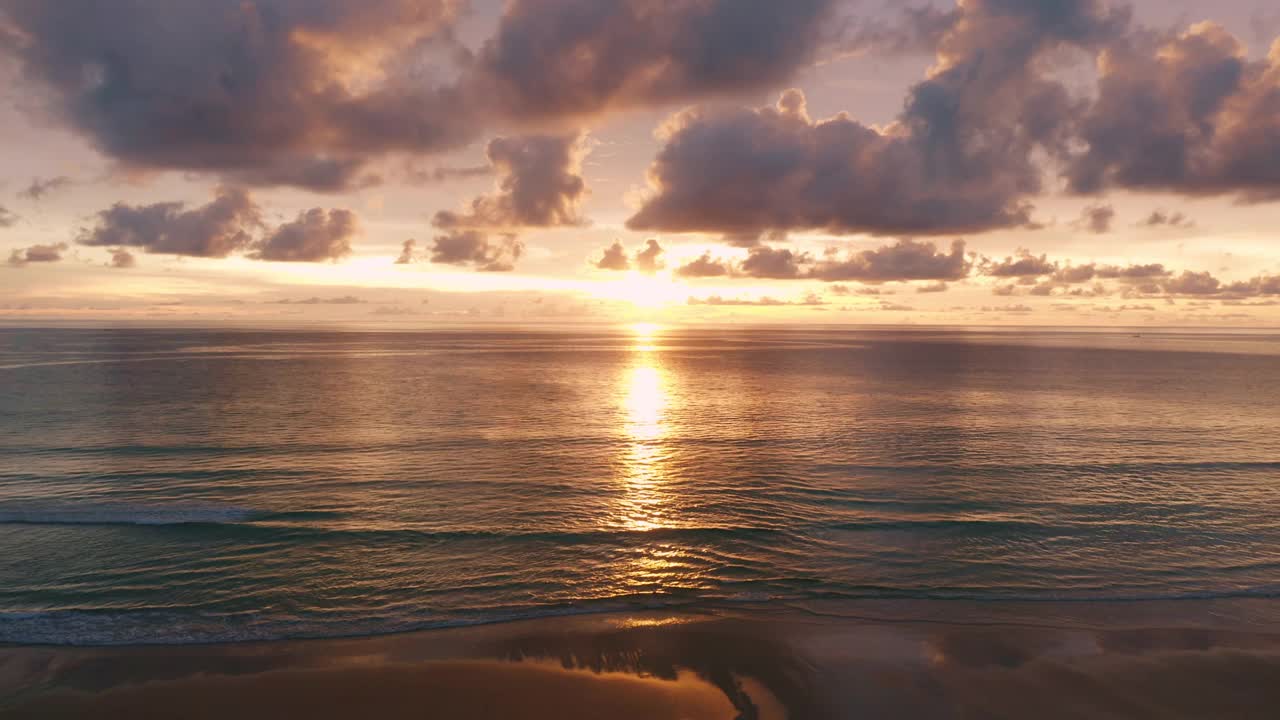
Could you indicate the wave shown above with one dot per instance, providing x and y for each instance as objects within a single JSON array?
[
  {"x": 148, "y": 516},
  {"x": 115, "y": 627},
  {"x": 319, "y": 525}
]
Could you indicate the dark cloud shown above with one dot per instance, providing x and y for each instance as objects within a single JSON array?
[
  {"x": 539, "y": 185},
  {"x": 705, "y": 266},
  {"x": 1131, "y": 272},
  {"x": 262, "y": 91},
  {"x": 1192, "y": 283},
  {"x": 40, "y": 187},
  {"x": 1076, "y": 274},
  {"x": 1096, "y": 219},
  {"x": 7, "y": 219},
  {"x": 1161, "y": 218},
  {"x": 1144, "y": 280},
  {"x": 935, "y": 287},
  {"x": 214, "y": 230},
  {"x": 916, "y": 29},
  {"x": 774, "y": 263},
  {"x": 614, "y": 258},
  {"x": 408, "y": 252},
  {"x": 37, "y": 254},
  {"x": 442, "y": 174},
  {"x": 649, "y": 259},
  {"x": 904, "y": 260},
  {"x": 743, "y": 172},
  {"x": 477, "y": 249},
  {"x": 1188, "y": 114},
  {"x": 1259, "y": 286},
  {"x": 122, "y": 259},
  {"x": 1021, "y": 265},
  {"x": 959, "y": 158},
  {"x": 285, "y": 92},
  {"x": 557, "y": 58},
  {"x": 317, "y": 235}
]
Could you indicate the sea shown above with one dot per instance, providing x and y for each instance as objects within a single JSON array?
[{"x": 191, "y": 486}]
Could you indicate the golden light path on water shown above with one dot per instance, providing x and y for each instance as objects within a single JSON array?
[
  {"x": 645, "y": 404},
  {"x": 647, "y": 503}
]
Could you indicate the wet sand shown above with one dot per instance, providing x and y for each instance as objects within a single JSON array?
[{"x": 892, "y": 660}]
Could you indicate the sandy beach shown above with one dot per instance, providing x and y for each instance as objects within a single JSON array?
[{"x": 1174, "y": 660}]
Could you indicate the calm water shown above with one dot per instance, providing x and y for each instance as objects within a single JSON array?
[{"x": 163, "y": 486}]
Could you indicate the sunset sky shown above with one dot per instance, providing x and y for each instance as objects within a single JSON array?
[{"x": 406, "y": 162}]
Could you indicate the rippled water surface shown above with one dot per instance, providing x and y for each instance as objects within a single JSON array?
[{"x": 166, "y": 486}]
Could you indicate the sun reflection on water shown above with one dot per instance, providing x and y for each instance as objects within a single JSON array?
[
  {"x": 646, "y": 502},
  {"x": 644, "y": 465}
]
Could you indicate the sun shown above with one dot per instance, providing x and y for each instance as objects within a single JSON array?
[
  {"x": 645, "y": 330},
  {"x": 645, "y": 291}
]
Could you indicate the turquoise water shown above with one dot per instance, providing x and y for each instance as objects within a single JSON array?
[{"x": 177, "y": 486}]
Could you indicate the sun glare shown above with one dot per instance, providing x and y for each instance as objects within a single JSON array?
[{"x": 645, "y": 291}]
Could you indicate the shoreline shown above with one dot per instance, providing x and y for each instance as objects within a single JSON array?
[{"x": 912, "y": 659}]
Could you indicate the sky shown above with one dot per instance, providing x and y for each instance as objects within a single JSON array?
[{"x": 410, "y": 162}]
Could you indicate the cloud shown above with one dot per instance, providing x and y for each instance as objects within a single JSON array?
[
  {"x": 1264, "y": 285},
  {"x": 122, "y": 259},
  {"x": 810, "y": 300},
  {"x": 1123, "y": 308},
  {"x": 935, "y": 287},
  {"x": 317, "y": 235},
  {"x": 895, "y": 307},
  {"x": 1069, "y": 274},
  {"x": 477, "y": 249},
  {"x": 7, "y": 219},
  {"x": 393, "y": 311},
  {"x": 1189, "y": 114},
  {"x": 408, "y": 252},
  {"x": 649, "y": 259},
  {"x": 1131, "y": 272},
  {"x": 1096, "y": 219},
  {"x": 342, "y": 300},
  {"x": 1007, "y": 309},
  {"x": 704, "y": 267},
  {"x": 917, "y": 29},
  {"x": 1161, "y": 218},
  {"x": 1192, "y": 283},
  {"x": 414, "y": 176},
  {"x": 40, "y": 187},
  {"x": 1022, "y": 265},
  {"x": 904, "y": 260},
  {"x": 284, "y": 92},
  {"x": 37, "y": 254},
  {"x": 773, "y": 263},
  {"x": 262, "y": 92},
  {"x": 571, "y": 58},
  {"x": 959, "y": 158},
  {"x": 214, "y": 230},
  {"x": 614, "y": 258},
  {"x": 742, "y": 172},
  {"x": 539, "y": 185},
  {"x": 844, "y": 290}
]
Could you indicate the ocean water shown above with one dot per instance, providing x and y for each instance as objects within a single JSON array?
[{"x": 197, "y": 486}]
